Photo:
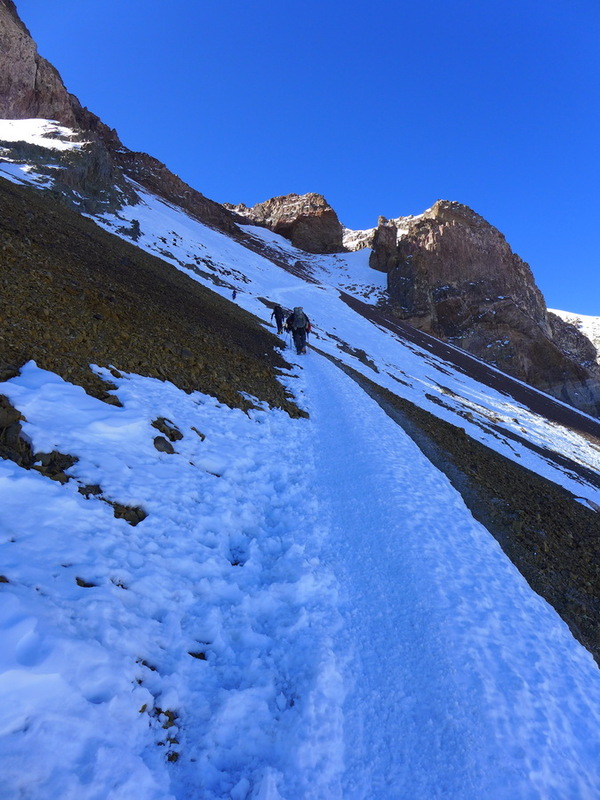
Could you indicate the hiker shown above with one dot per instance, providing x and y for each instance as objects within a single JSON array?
[
  {"x": 234, "y": 294},
  {"x": 299, "y": 324},
  {"x": 278, "y": 314}
]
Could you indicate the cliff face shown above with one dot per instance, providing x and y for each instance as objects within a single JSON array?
[
  {"x": 29, "y": 86},
  {"x": 450, "y": 267},
  {"x": 453, "y": 275},
  {"x": 308, "y": 221}
]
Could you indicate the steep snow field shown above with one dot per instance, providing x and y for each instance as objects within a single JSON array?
[
  {"x": 41, "y": 132},
  {"x": 309, "y": 610},
  {"x": 405, "y": 369}
]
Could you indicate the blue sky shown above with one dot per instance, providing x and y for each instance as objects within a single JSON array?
[{"x": 381, "y": 107}]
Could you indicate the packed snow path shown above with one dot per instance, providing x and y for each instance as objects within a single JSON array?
[
  {"x": 465, "y": 684},
  {"x": 309, "y": 612}
]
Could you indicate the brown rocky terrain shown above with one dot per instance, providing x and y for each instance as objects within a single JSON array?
[
  {"x": 73, "y": 295},
  {"x": 308, "y": 221},
  {"x": 29, "y": 85}
]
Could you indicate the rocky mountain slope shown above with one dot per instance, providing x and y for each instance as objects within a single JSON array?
[
  {"x": 308, "y": 221},
  {"x": 75, "y": 295},
  {"x": 452, "y": 274},
  {"x": 182, "y": 498},
  {"x": 170, "y": 562},
  {"x": 449, "y": 272}
]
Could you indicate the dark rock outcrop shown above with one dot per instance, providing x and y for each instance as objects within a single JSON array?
[
  {"x": 573, "y": 342},
  {"x": 384, "y": 246},
  {"x": 308, "y": 221},
  {"x": 154, "y": 176},
  {"x": 454, "y": 275}
]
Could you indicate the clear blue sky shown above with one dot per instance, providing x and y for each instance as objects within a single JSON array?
[{"x": 381, "y": 107}]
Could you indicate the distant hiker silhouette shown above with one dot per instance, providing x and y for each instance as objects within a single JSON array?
[
  {"x": 278, "y": 314},
  {"x": 234, "y": 294},
  {"x": 299, "y": 324}
]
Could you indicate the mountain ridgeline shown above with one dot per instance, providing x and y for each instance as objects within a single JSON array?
[{"x": 114, "y": 274}]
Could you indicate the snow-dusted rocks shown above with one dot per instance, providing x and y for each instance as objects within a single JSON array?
[{"x": 583, "y": 325}]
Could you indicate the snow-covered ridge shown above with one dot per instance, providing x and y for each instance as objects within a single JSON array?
[{"x": 223, "y": 264}]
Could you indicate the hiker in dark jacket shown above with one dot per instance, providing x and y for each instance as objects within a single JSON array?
[
  {"x": 278, "y": 314},
  {"x": 299, "y": 324}
]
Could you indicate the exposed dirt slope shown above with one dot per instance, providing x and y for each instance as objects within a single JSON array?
[{"x": 72, "y": 294}]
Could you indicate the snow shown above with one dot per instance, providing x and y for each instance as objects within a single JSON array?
[
  {"x": 42, "y": 132},
  {"x": 295, "y": 617},
  {"x": 405, "y": 369},
  {"x": 24, "y": 174},
  {"x": 308, "y": 610},
  {"x": 224, "y": 566},
  {"x": 451, "y": 689}
]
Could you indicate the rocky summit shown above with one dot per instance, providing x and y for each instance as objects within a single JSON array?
[
  {"x": 308, "y": 221},
  {"x": 455, "y": 276}
]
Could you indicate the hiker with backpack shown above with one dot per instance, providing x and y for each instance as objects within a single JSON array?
[
  {"x": 278, "y": 314},
  {"x": 299, "y": 324}
]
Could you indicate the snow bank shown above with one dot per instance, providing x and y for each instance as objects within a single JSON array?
[
  {"x": 42, "y": 132},
  {"x": 192, "y": 650}
]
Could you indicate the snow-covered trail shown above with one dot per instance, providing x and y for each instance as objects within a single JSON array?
[
  {"x": 462, "y": 682},
  {"x": 308, "y": 612},
  {"x": 398, "y": 733}
]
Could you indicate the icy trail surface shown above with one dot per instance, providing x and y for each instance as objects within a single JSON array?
[
  {"x": 308, "y": 611},
  {"x": 464, "y": 683}
]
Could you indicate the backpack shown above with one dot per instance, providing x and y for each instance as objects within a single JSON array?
[{"x": 299, "y": 319}]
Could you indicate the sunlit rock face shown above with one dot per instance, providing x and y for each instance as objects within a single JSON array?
[
  {"x": 29, "y": 85},
  {"x": 307, "y": 220},
  {"x": 454, "y": 275}
]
